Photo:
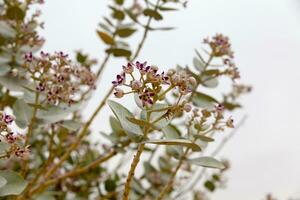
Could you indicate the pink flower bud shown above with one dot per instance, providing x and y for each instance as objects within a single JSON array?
[
  {"x": 119, "y": 93},
  {"x": 187, "y": 107},
  {"x": 136, "y": 85}
]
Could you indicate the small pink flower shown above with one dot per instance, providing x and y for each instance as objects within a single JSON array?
[
  {"x": 28, "y": 57},
  {"x": 219, "y": 108},
  {"x": 120, "y": 79},
  {"x": 8, "y": 119},
  {"x": 136, "y": 85},
  {"x": 128, "y": 69}
]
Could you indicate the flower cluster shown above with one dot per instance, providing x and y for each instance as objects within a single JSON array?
[
  {"x": 220, "y": 46},
  {"x": 206, "y": 121},
  {"x": 57, "y": 77},
  {"x": 12, "y": 139},
  {"x": 149, "y": 85}
]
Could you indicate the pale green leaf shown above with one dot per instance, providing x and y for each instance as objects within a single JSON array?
[
  {"x": 133, "y": 131},
  {"x": 22, "y": 112},
  {"x": 179, "y": 142},
  {"x": 209, "y": 162},
  {"x": 203, "y": 100},
  {"x": 198, "y": 64},
  {"x": 15, "y": 183},
  {"x": 3, "y": 181},
  {"x": 71, "y": 125},
  {"x": 105, "y": 37},
  {"x": 6, "y": 30},
  {"x": 4, "y": 69}
]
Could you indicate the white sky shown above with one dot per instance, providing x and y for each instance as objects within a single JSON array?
[{"x": 266, "y": 38}]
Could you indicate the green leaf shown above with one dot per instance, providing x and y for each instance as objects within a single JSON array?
[
  {"x": 125, "y": 32},
  {"x": 71, "y": 125},
  {"x": 15, "y": 13},
  {"x": 4, "y": 69},
  {"x": 117, "y": 52},
  {"x": 198, "y": 64},
  {"x": 3, "y": 147},
  {"x": 13, "y": 83},
  {"x": 204, "y": 138},
  {"x": 209, "y": 162},
  {"x": 131, "y": 15},
  {"x": 110, "y": 185},
  {"x": 81, "y": 58},
  {"x": 163, "y": 8},
  {"x": 3, "y": 181},
  {"x": 138, "y": 122},
  {"x": 6, "y": 30},
  {"x": 115, "y": 125},
  {"x": 153, "y": 13},
  {"x": 216, "y": 177},
  {"x": 23, "y": 113},
  {"x": 162, "y": 28},
  {"x": 209, "y": 185},
  {"x": 119, "y": 2},
  {"x": 57, "y": 113},
  {"x": 179, "y": 142},
  {"x": 106, "y": 38},
  {"x": 211, "y": 72},
  {"x": 231, "y": 106},
  {"x": 15, "y": 183},
  {"x": 121, "y": 113},
  {"x": 203, "y": 100},
  {"x": 48, "y": 195},
  {"x": 171, "y": 132},
  {"x": 117, "y": 14},
  {"x": 210, "y": 82}
]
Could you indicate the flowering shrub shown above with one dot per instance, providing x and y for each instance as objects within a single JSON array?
[{"x": 45, "y": 151}]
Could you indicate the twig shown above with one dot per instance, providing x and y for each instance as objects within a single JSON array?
[{"x": 213, "y": 154}]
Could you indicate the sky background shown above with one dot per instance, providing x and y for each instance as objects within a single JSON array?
[{"x": 266, "y": 39}]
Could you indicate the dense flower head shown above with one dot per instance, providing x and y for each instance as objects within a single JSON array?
[
  {"x": 57, "y": 76},
  {"x": 8, "y": 136},
  {"x": 151, "y": 82},
  {"x": 220, "y": 45}
]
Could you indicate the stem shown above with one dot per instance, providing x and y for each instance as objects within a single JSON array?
[
  {"x": 141, "y": 44},
  {"x": 213, "y": 154},
  {"x": 135, "y": 162},
  {"x": 30, "y": 131},
  {"x": 133, "y": 166},
  {"x": 102, "y": 66},
  {"x": 171, "y": 179}
]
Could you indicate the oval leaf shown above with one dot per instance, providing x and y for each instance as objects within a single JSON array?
[
  {"x": 23, "y": 113},
  {"x": 180, "y": 142},
  {"x": 203, "y": 100},
  {"x": 199, "y": 65},
  {"x": 204, "y": 138},
  {"x": 209, "y": 162},
  {"x": 122, "y": 113},
  {"x": 125, "y": 32},
  {"x": 106, "y": 38},
  {"x": 153, "y": 13},
  {"x": 15, "y": 183},
  {"x": 117, "y": 52}
]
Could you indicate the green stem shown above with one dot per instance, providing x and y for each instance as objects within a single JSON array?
[
  {"x": 30, "y": 130},
  {"x": 135, "y": 162}
]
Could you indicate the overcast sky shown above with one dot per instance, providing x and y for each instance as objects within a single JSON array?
[{"x": 266, "y": 38}]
